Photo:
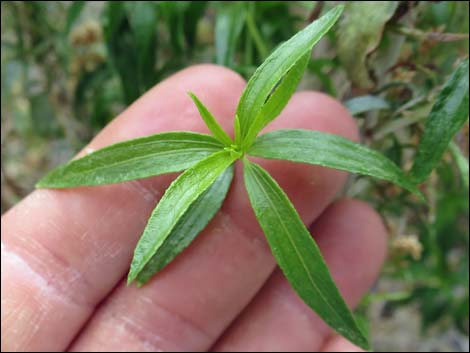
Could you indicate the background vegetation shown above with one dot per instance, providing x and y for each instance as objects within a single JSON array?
[{"x": 69, "y": 67}]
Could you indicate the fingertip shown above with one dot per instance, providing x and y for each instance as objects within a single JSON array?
[
  {"x": 167, "y": 107},
  {"x": 353, "y": 240},
  {"x": 318, "y": 111},
  {"x": 213, "y": 71},
  {"x": 357, "y": 215}
]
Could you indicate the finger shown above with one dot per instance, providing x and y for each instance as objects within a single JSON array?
[
  {"x": 352, "y": 238},
  {"x": 192, "y": 301},
  {"x": 64, "y": 250}
]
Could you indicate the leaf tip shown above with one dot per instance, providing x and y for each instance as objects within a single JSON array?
[
  {"x": 364, "y": 343},
  {"x": 357, "y": 337},
  {"x": 130, "y": 277},
  {"x": 366, "y": 346}
]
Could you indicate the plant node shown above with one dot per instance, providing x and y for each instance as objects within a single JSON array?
[{"x": 235, "y": 151}]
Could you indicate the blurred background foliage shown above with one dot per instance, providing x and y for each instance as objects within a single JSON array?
[{"x": 69, "y": 67}]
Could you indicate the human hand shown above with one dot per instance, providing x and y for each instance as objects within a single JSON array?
[{"x": 65, "y": 253}]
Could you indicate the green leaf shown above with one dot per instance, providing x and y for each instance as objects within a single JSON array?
[
  {"x": 358, "y": 105},
  {"x": 297, "y": 253},
  {"x": 359, "y": 34},
  {"x": 229, "y": 22},
  {"x": 328, "y": 150},
  {"x": 281, "y": 94},
  {"x": 211, "y": 123},
  {"x": 448, "y": 115},
  {"x": 277, "y": 65},
  {"x": 278, "y": 99},
  {"x": 181, "y": 194},
  {"x": 73, "y": 12},
  {"x": 134, "y": 159},
  {"x": 189, "y": 226},
  {"x": 462, "y": 163},
  {"x": 236, "y": 130}
]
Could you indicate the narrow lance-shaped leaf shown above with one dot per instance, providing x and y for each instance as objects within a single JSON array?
[
  {"x": 328, "y": 150},
  {"x": 189, "y": 226},
  {"x": 278, "y": 99},
  {"x": 447, "y": 117},
  {"x": 277, "y": 65},
  {"x": 297, "y": 253},
  {"x": 181, "y": 194},
  {"x": 134, "y": 159},
  {"x": 210, "y": 121}
]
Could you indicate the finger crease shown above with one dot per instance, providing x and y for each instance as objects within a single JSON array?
[{"x": 61, "y": 285}]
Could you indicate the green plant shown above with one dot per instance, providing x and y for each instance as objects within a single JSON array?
[{"x": 197, "y": 194}]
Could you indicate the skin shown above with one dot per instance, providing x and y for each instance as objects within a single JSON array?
[{"x": 66, "y": 253}]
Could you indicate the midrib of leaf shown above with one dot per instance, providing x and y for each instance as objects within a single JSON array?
[
  {"x": 304, "y": 265},
  {"x": 163, "y": 153},
  {"x": 164, "y": 142},
  {"x": 276, "y": 100},
  {"x": 334, "y": 152},
  {"x": 335, "y": 148},
  {"x": 340, "y": 153},
  {"x": 276, "y": 73}
]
